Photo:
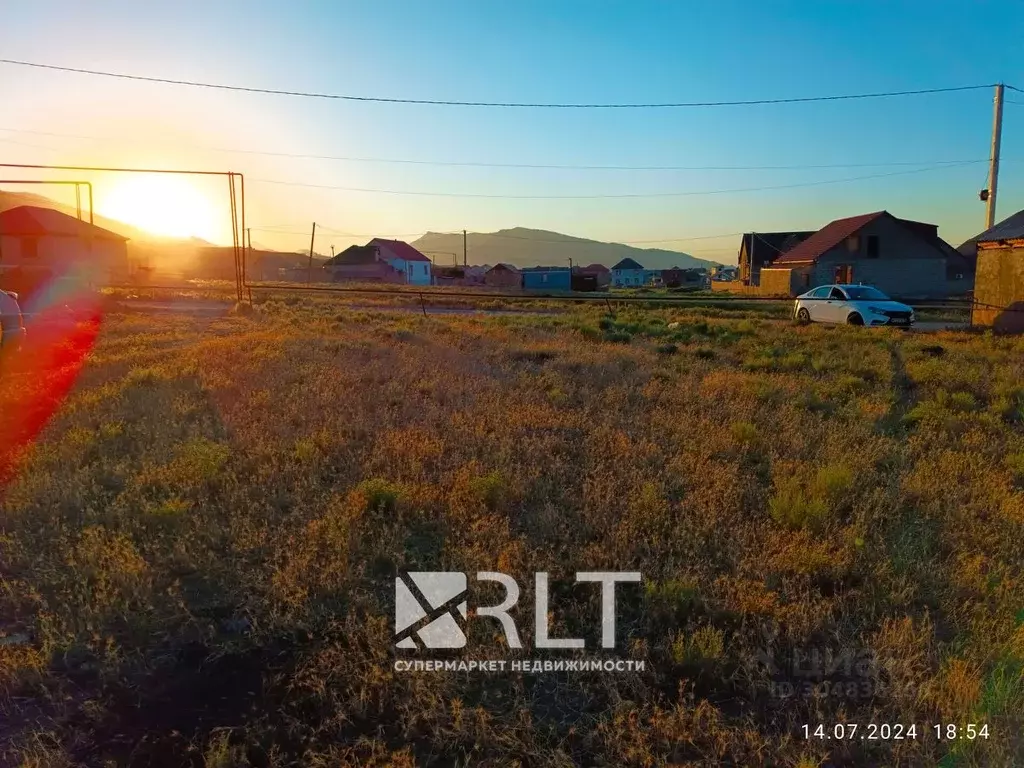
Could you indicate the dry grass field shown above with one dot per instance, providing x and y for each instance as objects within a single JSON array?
[{"x": 198, "y": 550}]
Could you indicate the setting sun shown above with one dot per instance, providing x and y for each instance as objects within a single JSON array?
[{"x": 163, "y": 205}]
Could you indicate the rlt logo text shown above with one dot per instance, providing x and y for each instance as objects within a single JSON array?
[{"x": 432, "y": 605}]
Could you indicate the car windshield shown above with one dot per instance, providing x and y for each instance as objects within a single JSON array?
[{"x": 861, "y": 292}]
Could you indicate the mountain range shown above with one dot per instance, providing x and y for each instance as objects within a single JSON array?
[
  {"x": 523, "y": 247},
  {"x": 520, "y": 246}
]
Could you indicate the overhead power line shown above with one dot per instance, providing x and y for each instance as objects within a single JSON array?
[
  {"x": 689, "y": 193},
  {"x": 525, "y": 105},
  {"x": 473, "y": 164}
]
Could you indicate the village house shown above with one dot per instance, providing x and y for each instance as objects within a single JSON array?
[
  {"x": 40, "y": 244},
  {"x": 404, "y": 258},
  {"x": 903, "y": 258},
  {"x": 724, "y": 272},
  {"x": 601, "y": 273},
  {"x": 547, "y": 278},
  {"x": 628, "y": 273},
  {"x": 448, "y": 275},
  {"x": 389, "y": 261},
  {"x": 759, "y": 249},
  {"x": 503, "y": 276},
  {"x": 999, "y": 281},
  {"x": 361, "y": 263},
  {"x": 682, "y": 278}
]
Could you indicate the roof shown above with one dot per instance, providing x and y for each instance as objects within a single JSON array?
[
  {"x": 505, "y": 267},
  {"x": 401, "y": 249},
  {"x": 627, "y": 263},
  {"x": 32, "y": 221},
  {"x": 764, "y": 247},
  {"x": 354, "y": 254},
  {"x": 1008, "y": 229},
  {"x": 545, "y": 269},
  {"x": 599, "y": 268},
  {"x": 826, "y": 238}
]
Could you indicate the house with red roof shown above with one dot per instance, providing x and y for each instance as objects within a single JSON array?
[
  {"x": 380, "y": 260},
  {"x": 904, "y": 258},
  {"x": 40, "y": 244},
  {"x": 404, "y": 258}
]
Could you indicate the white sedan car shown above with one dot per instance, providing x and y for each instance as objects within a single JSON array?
[{"x": 853, "y": 305}]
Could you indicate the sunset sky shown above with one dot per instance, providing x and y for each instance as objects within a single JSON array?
[{"x": 524, "y": 51}]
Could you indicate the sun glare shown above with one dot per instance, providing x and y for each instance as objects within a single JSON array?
[{"x": 164, "y": 205}]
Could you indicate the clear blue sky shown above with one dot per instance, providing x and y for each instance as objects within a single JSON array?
[{"x": 533, "y": 51}]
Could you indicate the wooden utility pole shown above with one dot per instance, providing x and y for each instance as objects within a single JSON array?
[
  {"x": 993, "y": 168},
  {"x": 309, "y": 269},
  {"x": 465, "y": 262},
  {"x": 332, "y": 251}
]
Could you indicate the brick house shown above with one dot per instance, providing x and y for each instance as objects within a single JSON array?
[
  {"x": 503, "y": 276},
  {"x": 999, "y": 282},
  {"x": 903, "y": 258},
  {"x": 361, "y": 263},
  {"x": 389, "y": 261},
  {"x": 760, "y": 249},
  {"x": 682, "y": 278},
  {"x": 601, "y": 273},
  {"x": 40, "y": 244}
]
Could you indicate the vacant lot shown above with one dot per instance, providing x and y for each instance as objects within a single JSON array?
[{"x": 198, "y": 551}]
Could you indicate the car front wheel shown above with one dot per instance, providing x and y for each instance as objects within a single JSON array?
[
  {"x": 854, "y": 319},
  {"x": 803, "y": 316}
]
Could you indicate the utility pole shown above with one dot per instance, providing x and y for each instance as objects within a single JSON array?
[
  {"x": 465, "y": 262},
  {"x": 332, "y": 251},
  {"x": 248, "y": 250},
  {"x": 309, "y": 269},
  {"x": 989, "y": 195}
]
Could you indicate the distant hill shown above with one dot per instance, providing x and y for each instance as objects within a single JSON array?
[
  {"x": 536, "y": 247},
  {"x": 175, "y": 258},
  {"x": 10, "y": 200}
]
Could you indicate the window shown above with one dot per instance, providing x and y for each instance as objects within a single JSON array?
[
  {"x": 866, "y": 293},
  {"x": 872, "y": 246},
  {"x": 820, "y": 293},
  {"x": 30, "y": 248},
  {"x": 853, "y": 243},
  {"x": 843, "y": 274},
  {"x": 837, "y": 294}
]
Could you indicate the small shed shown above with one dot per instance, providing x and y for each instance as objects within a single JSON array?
[{"x": 999, "y": 277}]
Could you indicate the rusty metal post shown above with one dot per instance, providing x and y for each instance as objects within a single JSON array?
[
  {"x": 245, "y": 256},
  {"x": 234, "y": 236}
]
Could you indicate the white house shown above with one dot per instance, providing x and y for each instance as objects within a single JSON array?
[
  {"x": 628, "y": 273},
  {"x": 406, "y": 259},
  {"x": 45, "y": 242}
]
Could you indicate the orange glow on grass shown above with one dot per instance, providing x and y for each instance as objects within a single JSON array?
[
  {"x": 35, "y": 380},
  {"x": 163, "y": 204}
]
